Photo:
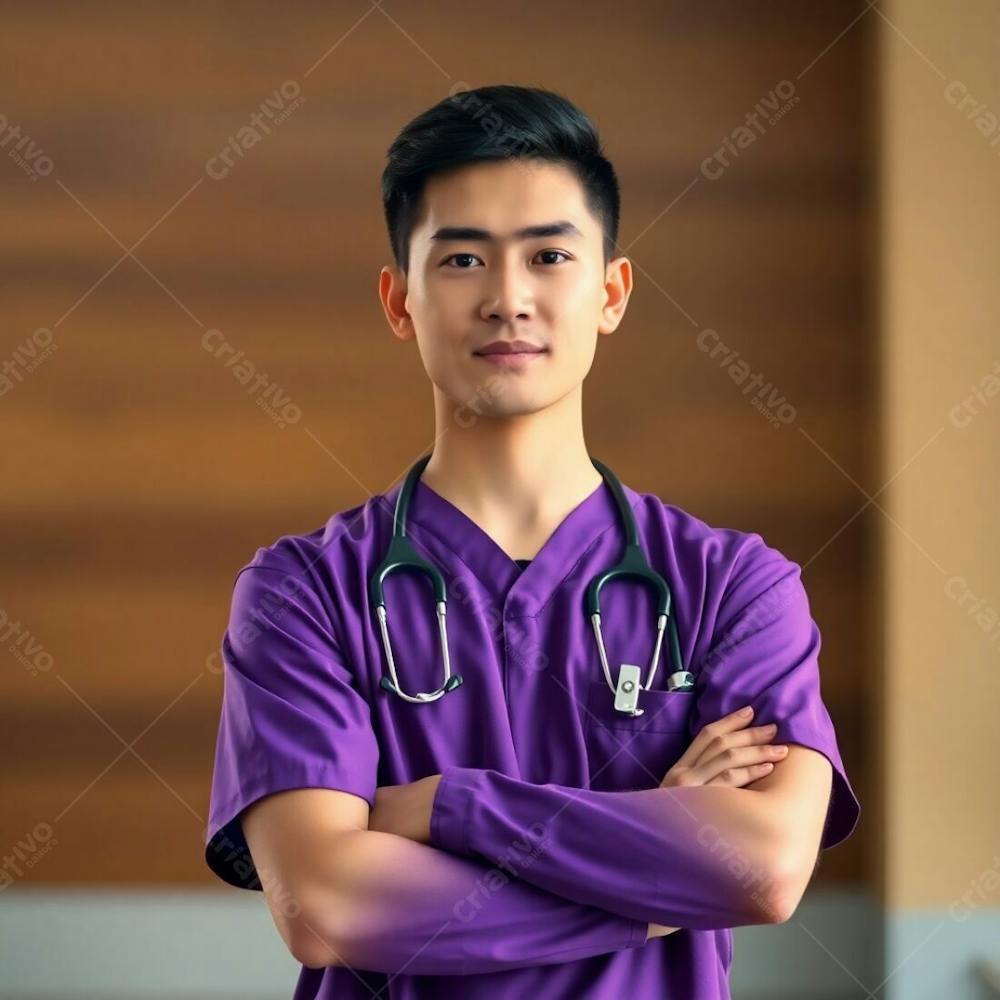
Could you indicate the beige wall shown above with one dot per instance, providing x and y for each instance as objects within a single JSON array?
[{"x": 940, "y": 216}]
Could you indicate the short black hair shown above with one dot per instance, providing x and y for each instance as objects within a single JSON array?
[{"x": 496, "y": 123}]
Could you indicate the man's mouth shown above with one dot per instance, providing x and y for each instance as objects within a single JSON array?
[{"x": 508, "y": 347}]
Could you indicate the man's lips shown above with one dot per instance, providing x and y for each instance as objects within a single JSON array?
[{"x": 510, "y": 347}]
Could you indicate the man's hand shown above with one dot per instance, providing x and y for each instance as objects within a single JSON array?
[
  {"x": 658, "y": 930},
  {"x": 724, "y": 753},
  {"x": 405, "y": 810}
]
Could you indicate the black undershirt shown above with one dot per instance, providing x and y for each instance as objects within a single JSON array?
[{"x": 523, "y": 563}]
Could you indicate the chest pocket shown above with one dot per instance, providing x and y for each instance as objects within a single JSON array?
[{"x": 627, "y": 752}]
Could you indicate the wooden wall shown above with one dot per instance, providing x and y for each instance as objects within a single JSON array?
[{"x": 139, "y": 474}]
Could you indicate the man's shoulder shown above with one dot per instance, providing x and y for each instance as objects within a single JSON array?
[
  {"x": 737, "y": 561},
  {"x": 298, "y": 552}
]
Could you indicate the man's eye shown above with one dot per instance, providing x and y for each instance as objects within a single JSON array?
[
  {"x": 463, "y": 256},
  {"x": 558, "y": 252}
]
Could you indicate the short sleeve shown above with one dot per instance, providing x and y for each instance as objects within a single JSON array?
[
  {"x": 765, "y": 653},
  {"x": 291, "y": 716}
]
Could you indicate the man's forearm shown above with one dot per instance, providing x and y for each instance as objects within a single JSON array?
[
  {"x": 697, "y": 857},
  {"x": 388, "y": 904}
]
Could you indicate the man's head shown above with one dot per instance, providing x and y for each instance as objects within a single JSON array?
[{"x": 503, "y": 218}]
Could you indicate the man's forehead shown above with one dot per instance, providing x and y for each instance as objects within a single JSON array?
[{"x": 506, "y": 201}]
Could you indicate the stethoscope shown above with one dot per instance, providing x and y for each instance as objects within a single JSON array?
[{"x": 402, "y": 555}]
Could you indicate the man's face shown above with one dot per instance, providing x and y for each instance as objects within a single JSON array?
[{"x": 466, "y": 290}]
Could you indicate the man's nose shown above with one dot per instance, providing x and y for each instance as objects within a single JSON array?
[{"x": 509, "y": 297}]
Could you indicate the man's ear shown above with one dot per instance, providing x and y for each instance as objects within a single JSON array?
[
  {"x": 617, "y": 289},
  {"x": 392, "y": 289}
]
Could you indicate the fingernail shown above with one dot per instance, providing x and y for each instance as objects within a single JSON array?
[
  {"x": 747, "y": 711},
  {"x": 781, "y": 750}
]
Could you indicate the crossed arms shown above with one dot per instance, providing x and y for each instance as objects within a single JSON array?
[{"x": 429, "y": 882}]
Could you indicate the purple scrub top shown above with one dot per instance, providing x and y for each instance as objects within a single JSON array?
[{"x": 530, "y": 739}]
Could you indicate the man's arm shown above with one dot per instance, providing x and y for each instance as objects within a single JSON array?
[
  {"x": 341, "y": 894},
  {"x": 796, "y": 794},
  {"x": 696, "y": 857}
]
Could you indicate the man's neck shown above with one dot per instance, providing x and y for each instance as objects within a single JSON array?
[{"x": 517, "y": 478}]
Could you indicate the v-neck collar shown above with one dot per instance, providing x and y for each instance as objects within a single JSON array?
[{"x": 435, "y": 522}]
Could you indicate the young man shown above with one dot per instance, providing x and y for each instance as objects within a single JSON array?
[{"x": 517, "y": 833}]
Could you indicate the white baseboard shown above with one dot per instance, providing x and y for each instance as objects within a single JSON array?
[
  {"x": 221, "y": 944},
  {"x": 210, "y": 945}
]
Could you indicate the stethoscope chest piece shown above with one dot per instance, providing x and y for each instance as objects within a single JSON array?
[
  {"x": 630, "y": 684},
  {"x": 681, "y": 680},
  {"x": 627, "y": 692}
]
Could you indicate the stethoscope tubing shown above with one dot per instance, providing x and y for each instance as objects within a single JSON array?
[{"x": 401, "y": 555}]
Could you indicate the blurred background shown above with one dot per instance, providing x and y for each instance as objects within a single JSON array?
[{"x": 178, "y": 177}]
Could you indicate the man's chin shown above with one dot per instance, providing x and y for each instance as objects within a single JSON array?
[{"x": 494, "y": 403}]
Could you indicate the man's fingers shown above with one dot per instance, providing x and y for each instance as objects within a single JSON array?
[
  {"x": 755, "y": 736},
  {"x": 739, "y": 776},
  {"x": 731, "y": 766},
  {"x": 728, "y": 724}
]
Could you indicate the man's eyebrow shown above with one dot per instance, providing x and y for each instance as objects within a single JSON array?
[{"x": 560, "y": 228}]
